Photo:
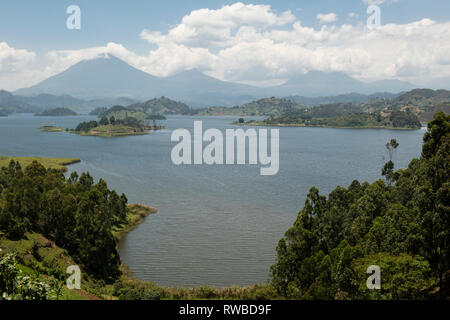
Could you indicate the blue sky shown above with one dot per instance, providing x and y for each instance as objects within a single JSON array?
[
  {"x": 34, "y": 35},
  {"x": 40, "y": 25}
]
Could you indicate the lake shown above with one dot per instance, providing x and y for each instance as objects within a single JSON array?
[{"x": 216, "y": 225}]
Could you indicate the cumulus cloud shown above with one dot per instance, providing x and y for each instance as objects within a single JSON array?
[
  {"x": 326, "y": 18},
  {"x": 13, "y": 60},
  {"x": 256, "y": 45},
  {"x": 14, "y": 67}
]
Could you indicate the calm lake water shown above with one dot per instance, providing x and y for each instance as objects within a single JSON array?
[{"x": 216, "y": 225}]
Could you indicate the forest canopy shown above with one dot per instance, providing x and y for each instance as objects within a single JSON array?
[{"x": 400, "y": 224}]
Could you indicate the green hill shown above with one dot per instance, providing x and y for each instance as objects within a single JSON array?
[
  {"x": 57, "y": 112},
  {"x": 263, "y": 107}
]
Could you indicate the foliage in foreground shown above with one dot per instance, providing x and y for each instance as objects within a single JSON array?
[
  {"x": 14, "y": 285},
  {"x": 401, "y": 226},
  {"x": 75, "y": 213}
]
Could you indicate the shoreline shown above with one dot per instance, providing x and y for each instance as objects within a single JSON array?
[
  {"x": 282, "y": 125},
  {"x": 48, "y": 163},
  {"x": 136, "y": 214}
]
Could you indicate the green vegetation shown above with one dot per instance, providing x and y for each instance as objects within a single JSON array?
[
  {"x": 49, "y": 163},
  {"x": 160, "y": 106},
  {"x": 394, "y": 120},
  {"x": 154, "y": 109},
  {"x": 74, "y": 213},
  {"x": 264, "y": 107},
  {"x": 422, "y": 102},
  {"x": 50, "y": 129},
  {"x": 97, "y": 111},
  {"x": 401, "y": 225},
  {"x": 57, "y": 112},
  {"x": 136, "y": 213},
  {"x": 113, "y": 127}
]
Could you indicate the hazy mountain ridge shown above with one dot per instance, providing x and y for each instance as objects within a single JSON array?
[{"x": 110, "y": 77}]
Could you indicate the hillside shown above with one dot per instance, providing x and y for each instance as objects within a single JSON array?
[
  {"x": 356, "y": 98},
  {"x": 263, "y": 107},
  {"x": 153, "y": 109},
  {"x": 160, "y": 106},
  {"x": 421, "y": 102},
  {"x": 400, "y": 224},
  {"x": 10, "y": 104},
  {"x": 57, "y": 112}
]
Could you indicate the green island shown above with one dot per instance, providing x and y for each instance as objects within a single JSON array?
[
  {"x": 109, "y": 128},
  {"x": 50, "y": 129},
  {"x": 57, "y": 112},
  {"x": 400, "y": 223}
]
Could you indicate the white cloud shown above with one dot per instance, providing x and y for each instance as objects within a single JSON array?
[
  {"x": 13, "y": 60},
  {"x": 14, "y": 67},
  {"x": 326, "y": 18},
  {"x": 254, "y": 44}
]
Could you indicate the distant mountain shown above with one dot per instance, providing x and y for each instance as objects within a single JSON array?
[
  {"x": 10, "y": 103},
  {"x": 151, "y": 109},
  {"x": 318, "y": 83},
  {"x": 47, "y": 101},
  {"x": 103, "y": 77},
  {"x": 57, "y": 112},
  {"x": 264, "y": 107},
  {"x": 199, "y": 90},
  {"x": 107, "y": 77},
  {"x": 160, "y": 106}
]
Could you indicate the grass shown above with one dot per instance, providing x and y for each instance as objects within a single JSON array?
[
  {"x": 50, "y": 129},
  {"x": 49, "y": 163},
  {"x": 109, "y": 131},
  {"x": 38, "y": 254},
  {"x": 136, "y": 213}
]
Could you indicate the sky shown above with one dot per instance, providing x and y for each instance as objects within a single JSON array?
[{"x": 256, "y": 42}]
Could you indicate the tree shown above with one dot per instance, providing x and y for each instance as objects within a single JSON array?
[
  {"x": 104, "y": 121},
  {"x": 402, "y": 227},
  {"x": 388, "y": 169}
]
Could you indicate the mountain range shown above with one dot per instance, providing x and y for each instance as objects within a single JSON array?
[{"x": 108, "y": 77}]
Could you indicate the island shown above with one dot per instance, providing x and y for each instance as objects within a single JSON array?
[
  {"x": 109, "y": 128},
  {"x": 113, "y": 127},
  {"x": 57, "y": 112},
  {"x": 50, "y": 129}
]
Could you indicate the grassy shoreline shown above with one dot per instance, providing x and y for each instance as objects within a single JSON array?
[
  {"x": 49, "y": 163},
  {"x": 136, "y": 214},
  {"x": 301, "y": 125}
]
